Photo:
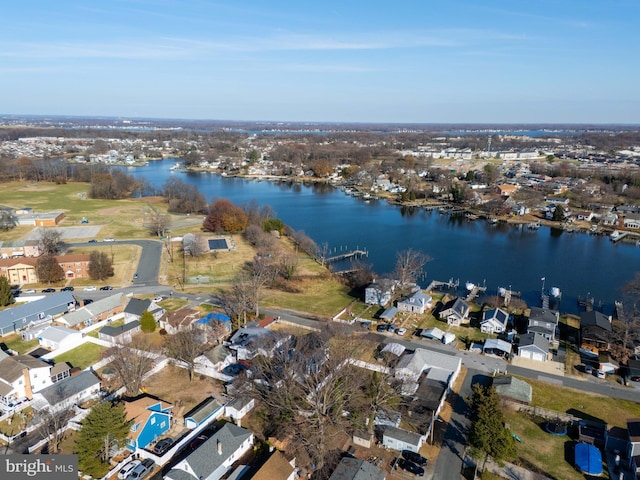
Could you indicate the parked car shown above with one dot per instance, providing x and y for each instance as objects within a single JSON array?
[
  {"x": 414, "y": 457},
  {"x": 196, "y": 442},
  {"x": 109, "y": 239},
  {"x": 90, "y": 289},
  {"x": 30, "y": 290},
  {"x": 401, "y": 331},
  {"x": 588, "y": 369},
  {"x": 48, "y": 290},
  {"x": 106, "y": 287},
  {"x": 162, "y": 446},
  {"x": 67, "y": 289},
  {"x": 601, "y": 374},
  {"x": 126, "y": 470},
  {"x": 135, "y": 275},
  {"x": 87, "y": 301},
  {"x": 158, "y": 299},
  {"x": 410, "y": 467},
  {"x": 93, "y": 240},
  {"x": 142, "y": 470}
]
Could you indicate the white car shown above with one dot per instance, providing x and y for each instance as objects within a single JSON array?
[
  {"x": 127, "y": 469},
  {"x": 401, "y": 331},
  {"x": 158, "y": 299},
  {"x": 109, "y": 239},
  {"x": 89, "y": 289},
  {"x": 31, "y": 290}
]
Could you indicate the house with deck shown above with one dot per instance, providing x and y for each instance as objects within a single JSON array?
[
  {"x": 70, "y": 391},
  {"x": 455, "y": 312},
  {"x": 595, "y": 332},
  {"x": 150, "y": 418},
  {"x": 494, "y": 321},
  {"x": 543, "y": 322},
  {"x": 418, "y": 302}
]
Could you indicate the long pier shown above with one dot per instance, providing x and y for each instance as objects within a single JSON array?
[
  {"x": 475, "y": 291},
  {"x": 344, "y": 256}
]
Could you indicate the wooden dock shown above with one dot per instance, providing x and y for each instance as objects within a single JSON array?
[
  {"x": 435, "y": 284},
  {"x": 475, "y": 292},
  {"x": 346, "y": 255}
]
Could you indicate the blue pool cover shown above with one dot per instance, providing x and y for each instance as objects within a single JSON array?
[{"x": 588, "y": 459}]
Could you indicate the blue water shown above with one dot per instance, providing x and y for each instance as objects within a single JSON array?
[{"x": 496, "y": 256}]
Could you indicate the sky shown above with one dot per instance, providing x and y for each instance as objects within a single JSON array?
[{"x": 388, "y": 61}]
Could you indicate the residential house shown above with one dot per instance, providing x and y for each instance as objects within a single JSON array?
[
  {"x": 73, "y": 390},
  {"x": 543, "y": 322},
  {"x": 136, "y": 307},
  {"x": 533, "y": 346},
  {"x": 584, "y": 215},
  {"x": 21, "y": 376},
  {"x": 182, "y": 319},
  {"x": 380, "y": 292},
  {"x": 633, "y": 452},
  {"x": 438, "y": 366},
  {"x": 151, "y": 419},
  {"x": 277, "y": 467},
  {"x": 634, "y": 370},
  {"x": 399, "y": 439},
  {"x": 417, "y": 302},
  {"x": 632, "y": 220},
  {"x": 56, "y": 337},
  {"x": 494, "y": 321},
  {"x": 121, "y": 334},
  {"x": 60, "y": 371},
  {"x": 506, "y": 190},
  {"x": 20, "y": 248},
  {"x": 214, "y": 458},
  {"x": 205, "y": 412},
  {"x": 216, "y": 358},
  {"x": 216, "y": 325},
  {"x": 103, "y": 309},
  {"x": 251, "y": 340},
  {"x": 356, "y": 469},
  {"x": 455, "y": 312},
  {"x": 595, "y": 332},
  {"x": 34, "y": 313}
]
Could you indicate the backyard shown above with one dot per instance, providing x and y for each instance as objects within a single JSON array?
[{"x": 83, "y": 356}]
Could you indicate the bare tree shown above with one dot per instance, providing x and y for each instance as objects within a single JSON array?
[
  {"x": 238, "y": 301},
  {"x": 52, "y": 426},
  {"x": 625, "y": 334},
  {"x": 158, "y": 224},
  {"x": 409, "y": 265},
  {"x": 287, "y": 265},
  {"x": 260, "y": 272},
  {"x": 306, "y": 385},
  {"x": 131, "y": 362},
  {"x": 50, "y": 240},
  {"x": 186, "y": 346}
]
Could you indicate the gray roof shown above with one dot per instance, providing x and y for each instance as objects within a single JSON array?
[
  {"x": 96, "y": 308},
  {"x": 202, "y": 411},
  {"x": 512, "y": 387},
  {"x": 119, "y": 330},
  {"x": 76, "y": 318},
  {"x": 543, "y": 315},
  {"x": 594, "y": 318},
  {"x": 57, "y": 334},
  {"x": 356, "y": 469},
  {"x": 402, "y": 435},
  {"x": 496, "y": 314},
  {"x": 69, "y": 387},
  {"x": 137, "y": 306},
  {"x": 11, "y": 315},
  {"x": 389, "y": 313},
  {"x": 529, "y": 340},
  {"x": 205, "y": 459},
  {"x": 497, "y": 344}
]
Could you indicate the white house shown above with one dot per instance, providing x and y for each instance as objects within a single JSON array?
[
  {"x": 455, "y": 312},
  {"x": 21, "y": 376},
  {"x": 214, "y": 458},
  {"x": 379, "y": 292},
  {"x": 494, "y": 321},
  {"x": 238, "y": 407},
  {"x": 55, "y": 338},
  {"x": 417, "y": 302},
  {"x": 533, "y": 346},
  {"x": 69, "y": 391},
  {"x": 399, "y": 439}
]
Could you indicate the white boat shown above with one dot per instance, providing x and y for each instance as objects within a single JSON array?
[
  {"x": 470, "y": 286},
  {"x": 502, "y": 291},
  {"x": 176, "y": 166},
  {"x": 555, "y": 292}
]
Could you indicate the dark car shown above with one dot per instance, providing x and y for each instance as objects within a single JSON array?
[
  {"x": 135, "y": 275},
  {"x": 196, "y": 442},
  {"x": 48, "y": 290},
  {"x": 410, "y": 467},
  {"x": 162, "y": 446},
  {"x": 142, "y": 470},
  {"x": 93, "y": 240},
  {"x": 414, "y": 457},
  {"x": 382, "y": 327},
  {"x": 106, "y": 287},
  {"x": 66, "y": 289}
]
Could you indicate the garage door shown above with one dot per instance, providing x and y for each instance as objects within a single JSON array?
[{"x": 538, "y": 356}]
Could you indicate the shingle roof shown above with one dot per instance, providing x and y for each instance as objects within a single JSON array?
[
  {"x": 11, "y": 367},
  {"x": 57, "y": 334},
  {"x": 536, "y": 340},
  {"x": 69, "y": 387},
  {"x": 594, "y": 318},
  {"x": 137, "y": 306},
  {"x": 402, "y": 435},
  {"x": 356, "y": 469},
  {"x": 276, "y": 468},
  {"x": 10, "y": 315},
  {"x": 119, "y": 330}
]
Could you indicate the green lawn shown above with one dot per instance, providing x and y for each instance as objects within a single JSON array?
[
  {"x": 15, "y": 342},
  {"x": 83, "y": 356}
]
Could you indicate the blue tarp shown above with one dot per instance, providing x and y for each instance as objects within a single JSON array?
[
  {"x": 588, "y": 459},
  {"x": 220, "y": 317}
]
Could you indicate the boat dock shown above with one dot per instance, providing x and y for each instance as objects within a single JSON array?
[
  {"x": 617, "y": 235},
  {"x": 435, "y": 284},
  {"x": 619, "y": 310},
  {"x": 475, "y": 292},
  {"x": 346, "y": 255}
]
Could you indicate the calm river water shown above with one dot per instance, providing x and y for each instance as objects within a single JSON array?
[{"x": 495, "y": 256}]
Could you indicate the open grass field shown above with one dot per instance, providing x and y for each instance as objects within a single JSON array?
[{"x": 83, "y": 356}]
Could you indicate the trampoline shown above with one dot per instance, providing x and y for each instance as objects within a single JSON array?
[
  {"x": 218, "y": 244},
  {"x": 556, "y": 428},
  {"x": 588, "y": 459}
]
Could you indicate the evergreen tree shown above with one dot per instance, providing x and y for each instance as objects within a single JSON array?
[
  {"x": 103, "y": 431},
  {"x": 558, "y": 214},
  {"x": 6, "y": 297},
  {"x": 488, "y": 434},
  {"x": 147, "y": 322}
]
